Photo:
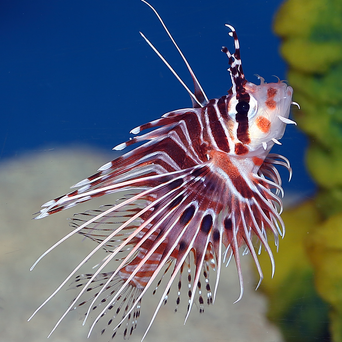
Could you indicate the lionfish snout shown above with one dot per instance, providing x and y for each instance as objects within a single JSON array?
[{"x": 272, "y": 115}]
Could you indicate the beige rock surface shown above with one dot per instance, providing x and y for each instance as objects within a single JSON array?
[{"x": 29, "y": 181}]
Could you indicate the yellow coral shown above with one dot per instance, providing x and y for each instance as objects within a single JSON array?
[
  {"x": 321, "y": 55},
  {"x": 325, "y": 251},
  {"x": 312, "y": 45},
  {"x": 296, "y": 14}
]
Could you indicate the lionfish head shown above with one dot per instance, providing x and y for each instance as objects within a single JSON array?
[{"x": 259, "y": 113}]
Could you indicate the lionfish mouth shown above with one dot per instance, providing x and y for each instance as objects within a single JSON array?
[{"x": 188, "y": 198}]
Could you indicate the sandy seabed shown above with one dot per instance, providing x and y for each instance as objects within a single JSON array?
[{"x": 33, "y": 179}]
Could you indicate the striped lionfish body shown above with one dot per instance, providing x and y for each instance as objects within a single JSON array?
[{"x": 202, "y": 185}]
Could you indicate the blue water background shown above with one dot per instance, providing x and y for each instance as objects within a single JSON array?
[{"x": 78, "y": 72}]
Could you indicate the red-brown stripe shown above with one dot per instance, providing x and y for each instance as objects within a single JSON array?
[
  {"x": 221, "y": 104},
  {"x": 217, "y": 130}
]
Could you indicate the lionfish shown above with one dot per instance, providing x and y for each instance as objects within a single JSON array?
[{"x": 201, "y": 186}]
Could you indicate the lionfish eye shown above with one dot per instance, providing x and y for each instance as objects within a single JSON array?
[{"x": 242, "y": 107}]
